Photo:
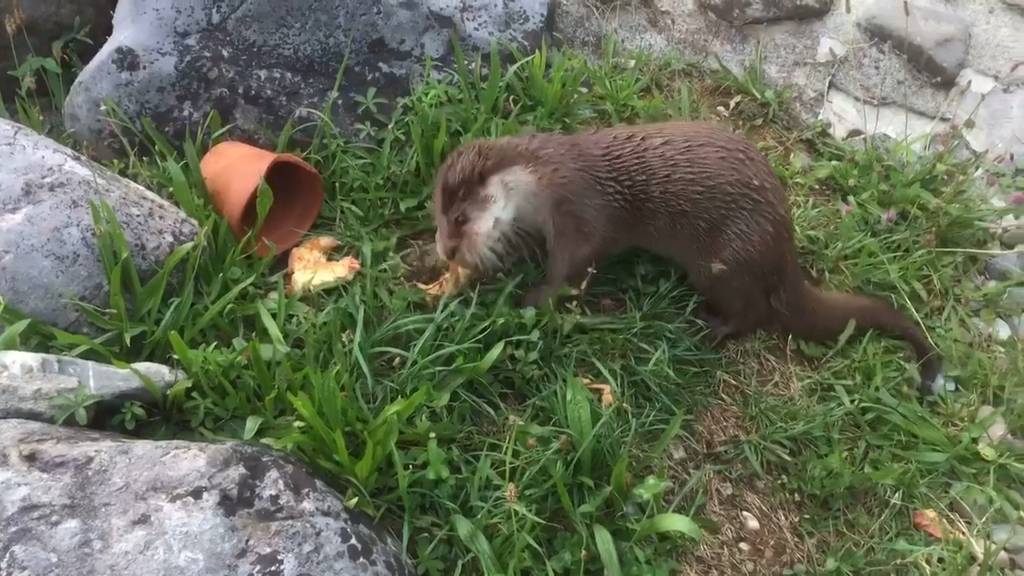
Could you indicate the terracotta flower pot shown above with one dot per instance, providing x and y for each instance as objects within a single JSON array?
[{"x": 233, "y": 171}]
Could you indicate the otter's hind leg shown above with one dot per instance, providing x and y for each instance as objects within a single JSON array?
[{"x": 737, "y": 304}]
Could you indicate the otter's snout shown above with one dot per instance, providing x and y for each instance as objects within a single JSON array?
[
  {"x": 449, "y": 251},
  {"x": 447, "y": 248}
]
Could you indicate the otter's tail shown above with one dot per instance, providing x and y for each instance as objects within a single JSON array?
[{"x": 808, "y": 312}]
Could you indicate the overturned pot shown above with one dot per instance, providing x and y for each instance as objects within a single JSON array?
[{"x": 233, "y": 171}]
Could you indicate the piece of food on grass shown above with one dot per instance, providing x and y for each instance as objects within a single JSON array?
[
  {"x": 604, "y": 390},
  {"x": 449, "y": 283},
  {"x": 311, "y": 271},
  {"x": 929, "y": 522}
]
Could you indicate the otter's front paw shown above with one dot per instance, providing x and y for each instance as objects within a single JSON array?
[{"x": 719, "y": 331}]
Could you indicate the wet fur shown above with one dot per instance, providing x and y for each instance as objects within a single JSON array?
[{"x": 699, "y": 195}]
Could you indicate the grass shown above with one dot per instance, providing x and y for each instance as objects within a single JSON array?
[{"x": 467, "y": 427}]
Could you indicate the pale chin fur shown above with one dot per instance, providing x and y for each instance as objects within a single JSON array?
[{"x": 500, "y": 230}]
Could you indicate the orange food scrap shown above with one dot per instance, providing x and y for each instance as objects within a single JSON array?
[
  {"x": 449, "y": 283},
  {"x": 929, "y": 522},
  {"x": 310, "y": 270},
  {"x": 604, "y": 390}
]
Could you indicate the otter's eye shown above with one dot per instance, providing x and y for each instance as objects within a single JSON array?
[{"x": 461, "y": 220}]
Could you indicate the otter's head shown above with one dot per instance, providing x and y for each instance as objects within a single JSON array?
[{"x": 484, "y": 200}]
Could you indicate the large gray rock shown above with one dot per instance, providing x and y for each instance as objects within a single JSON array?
[
  {"x": 29, "y": 382},
  {"x": 48, "y": 253},
  {"x": 74, "y": 501},
  {"x": 36, "y": 24},
  {"x": 257, "y": 62},
  {"x": 934, "y": 40},
  {"x": 761, "y": 11}
]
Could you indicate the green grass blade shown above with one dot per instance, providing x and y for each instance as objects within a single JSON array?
[
  {"x": 606, "y": 550},
  {"x": 475, "y": 540},
  {"x": 10, "y": 338}
]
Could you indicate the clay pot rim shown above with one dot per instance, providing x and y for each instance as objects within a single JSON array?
[{"x": 233, "y": 177}]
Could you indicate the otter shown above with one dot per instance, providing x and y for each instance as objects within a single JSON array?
[{"x": 697, "y": 194}]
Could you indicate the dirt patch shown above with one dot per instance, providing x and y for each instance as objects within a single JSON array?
[
  {"x": 756, "y": 530},
  {"x": 776, "y": 544},
  {"x": 421, "y": 260},
  {"x": 767, "y": 363}
]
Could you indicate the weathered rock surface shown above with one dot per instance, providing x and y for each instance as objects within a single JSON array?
[
  {"x": 74, "y": 501},
  {"x": 48, "y": 252},
  {"x": 761, "y": 11},
  {"x": 996, "y": 120},
  {"x": 29, "y": 382},
  {"x": 37, "y": 24},
  {"x": 834, "y": 69},
  {"x": 258, "y": 62},
  {"x": 848, "y": 117},
  {"x": 935, "y": 40}
]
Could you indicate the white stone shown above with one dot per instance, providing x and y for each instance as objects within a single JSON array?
[
  {"x": 29, "y": 382},
  {"x": 847, "y": 116},
  {"x": 975, "y": 81},
  {"x": 750, "y": 522},
  {"x": 1001, "y": 331},
  {"x": 830, "y": 49}
]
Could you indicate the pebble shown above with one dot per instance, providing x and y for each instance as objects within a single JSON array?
[
  {"x": 970, "y": 502},
  {"x": 1005, "y": 266},
  {"x": 1001, "y": 331},
  {"x": 943, "y": 385},
  {"x": 1009, "y": 536},
  {"x": 997, "y": 430},
  {"x": 750, "y": 522},
  {"x": 677, "y": 453},
  {"x": 1016, "y": 326},
  {"x": 1013, "y": 237},
  {"x": 1014, "y": 298}
]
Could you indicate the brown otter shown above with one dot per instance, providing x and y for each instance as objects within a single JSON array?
[{"x": 699, "y": 195}]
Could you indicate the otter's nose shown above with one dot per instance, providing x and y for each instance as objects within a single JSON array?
[{"x": 447, "y": 249}]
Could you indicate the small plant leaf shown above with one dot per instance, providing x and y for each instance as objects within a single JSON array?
[
  {"x": 669, "y": 522},
  {"x": 10, "y": 338},
  {"x": 252, "y": 425}
]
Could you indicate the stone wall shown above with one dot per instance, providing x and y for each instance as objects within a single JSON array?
[{"x": 866, "y": 66}]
